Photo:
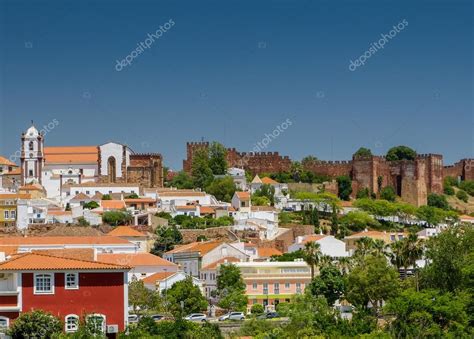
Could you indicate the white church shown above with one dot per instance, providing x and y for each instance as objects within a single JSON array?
[{"x": 54, "y": 167}]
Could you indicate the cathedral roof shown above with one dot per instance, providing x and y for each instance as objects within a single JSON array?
[{"x": 71, "y": 155}]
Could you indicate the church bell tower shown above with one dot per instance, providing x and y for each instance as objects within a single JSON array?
[{"x": 31, "y": 156}]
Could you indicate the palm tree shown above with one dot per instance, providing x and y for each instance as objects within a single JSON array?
[
  {"x": 364, "y": 246},
  {"x": 312, "y": 255},
  {"x": 397, "y": 255},
  {"x": 344, "y": 264},
  {"x": 379, "y": 247},
  {"x": 413, "y": 249}
]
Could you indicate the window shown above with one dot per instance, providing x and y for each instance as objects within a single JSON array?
[
  {"x": 44, "y": 284},
  {"x": 30, "y": 146},
  {"x": 276, "y": 288},
  {"x": 298, "y": 287},
  {"x": 87, "y": 192},
  {"x": 71, "y": 281},
  {"x": 265, "y": 288},
  {"x": 254, "y": 286},
  {"x": 30, "y": 173},
  {"x": 71, "y": 323},
  {"x": 6, "y": 214},
  {"x": 97, "y": 321},
  {"x": 4, "y": 322},
  {"x": 13, "y": 214},
  {"x": 287, "y": 285}
]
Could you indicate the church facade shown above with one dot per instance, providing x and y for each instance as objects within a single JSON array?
[{"x": 114, "y": 163}]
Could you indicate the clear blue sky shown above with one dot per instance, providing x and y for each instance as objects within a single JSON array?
[{"x": 234, "y": 70}]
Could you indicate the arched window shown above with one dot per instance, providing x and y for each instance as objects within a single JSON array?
[
  {"x": 96, "y": 321},
  {"x": 111, "y": 169},
  {"x": 71, "y": 323},
  {"x": 4, "y": 324},
  {"x": 30, "y": 146}
]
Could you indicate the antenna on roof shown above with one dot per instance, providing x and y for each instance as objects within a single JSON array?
[{"x": 32, "y": 122}]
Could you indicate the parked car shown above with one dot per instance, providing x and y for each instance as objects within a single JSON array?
[
  {"x": 157, "y": 317},
  {"x": 232, "y": 316},
  {"x": 196, "y": 317},
  {"x": 269, "y": 315},
  {"x": 133, "y": 318}
]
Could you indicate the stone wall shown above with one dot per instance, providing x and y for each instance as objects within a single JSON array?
[{"x": 463, "y": 169}]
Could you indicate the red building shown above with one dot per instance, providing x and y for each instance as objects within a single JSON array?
[{"x": 71, "y": 289}]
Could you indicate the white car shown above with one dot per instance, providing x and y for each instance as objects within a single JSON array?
[
  {"x": 233, "y": 316},
  {"x": 196, "y": 317},
  {"x": 133, "y": 318}
]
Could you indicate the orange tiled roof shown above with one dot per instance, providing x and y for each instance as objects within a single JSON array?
[
  {"x": 139, "y": 200},
  {"x": 180, "y": 194},
  {"x": 15, "y": 171},
  {"x": 346, "y": 203},
  {"x": 200, "y": 246},
  {"x": 113, "y": 204},
  {"x": 37, "y": 262},
  {"x": 134, "y": 259},
  {"x": 214, "y": 265},
  {"x": 243, "y": 195},
  {"x": 466, "y": 217},
  {"x": 71, "y": 253},
  {"x": 71, "y": 154},
  {"x": 30, "y": 188},
  {"x": 9, "y": 250},
  {"x": 160, "y": 276},
  {"x": 207, "y": 210},
  {"x": 125, "y": 231},
  {"x": 81, "y": 196},
  {"x": 15, "y": 196},
  {"x": 266, "y": 252},
  {"x": 186, "y": 207},
  {"x": 314, "y": 237},
  {"x": 19, "y": 241},
  {"x": 5, "y": 161},
  {"x": 269, "y": 181}
]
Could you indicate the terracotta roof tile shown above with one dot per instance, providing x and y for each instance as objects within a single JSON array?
[
  {"x": 80, "y": 197},
  {"x": 125, "y": 231},
  {"x": 71, "y": 154},
  {"x": 181, "y": 194},
  {"x": 269, "y": 181},
  {"x": 30, "y": 188},
  {"x": 207, "y": 210},
  {"x": 56, "y": 212},
  {"x": 5, "y": 161},
  {"x": 214, "y": 265},
  {"x": 243, "y": 195},
  {"x": 15, "y": 171},
  {"x": 200, "y": 246},
  {"x": 113, "y": 204},
  {"x": 134, "y": 259},
  {"x": 266, "y": 252},
  {"x": 102, "y": 240},
  {"x": 71, "y": 253},
  {"x": 36, "y": 261},
  {"x": 154, "y": 278},
  {"x": 15, "y": 196},
  {"x": 312, "y": 238}
]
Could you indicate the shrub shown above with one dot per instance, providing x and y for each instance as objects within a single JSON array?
[
  {"x": 388, "y": 193},
  {"x": 257, "y": 309},
  {"x": 438, "y": 200},
  {"x": 35, "y": 324},
  {"x": 448, "y": 190},
  {"x": 462, "y": 195},
  {"x": 400, "y": 153}
]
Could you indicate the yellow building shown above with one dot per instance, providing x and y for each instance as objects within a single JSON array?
[{"x": 8, "y": 208}]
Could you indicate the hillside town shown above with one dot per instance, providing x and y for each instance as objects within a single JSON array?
[{"x": 108, "y": 242}]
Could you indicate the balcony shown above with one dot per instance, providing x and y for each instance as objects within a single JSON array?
[{"x": 9, "y": 292}]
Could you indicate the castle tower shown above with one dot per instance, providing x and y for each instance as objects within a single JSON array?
[{"x": 31, "y": 156}]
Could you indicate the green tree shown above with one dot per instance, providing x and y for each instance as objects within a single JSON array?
[
  {"x": 81, "y": 221},
  {"x": 388, "y": 193},
  {"x": 438, "y": 200},
  {"x": 91, "y": 205},
  {"x": 289, "y": 256},
  {"x": 344, "y": 185},
  {"x": 35, "y": 324},
  {"x": 141, "y": 299},
  {"x": 462, "y": 195},
  {"x": 315, "y": 219},
  {"x": 428, "y": 313},
  {"x": 405, "y": 252},
  {"x": 217, "y": 158},
  {"x": 257, "y": 309},
  {"x": 358, "y": 221},
  {"x": 447, "y": 256},
  {"x": 329, "y": 283},
  {"x": 106, "y": 197},
  {"x": 312, "y": 255},
  {"x": 363, "y": 193},
  {"x": 308, "y": 161},
  {"x": 468, "y": 186},
  {"x": 188, "y": 295},
  {"x": 260, "y": 201},
  {"x": 115, "y": 218},
  {"x": 166, "y": 239},
  {"x": 182, "y": 180},
  {"x": 400, "y": 153},
  {"x": 371, "y": 280},
  {"x": 223, "y": 189},
  {"x": 267, "y": 191},
  {"x": 434, "y": 216},
  {"x": 231, "y": 288},
  {"x": 132, "y": 196},
  {"x": 201, "y": 172},
  {"x": 363, "y": 153}
]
